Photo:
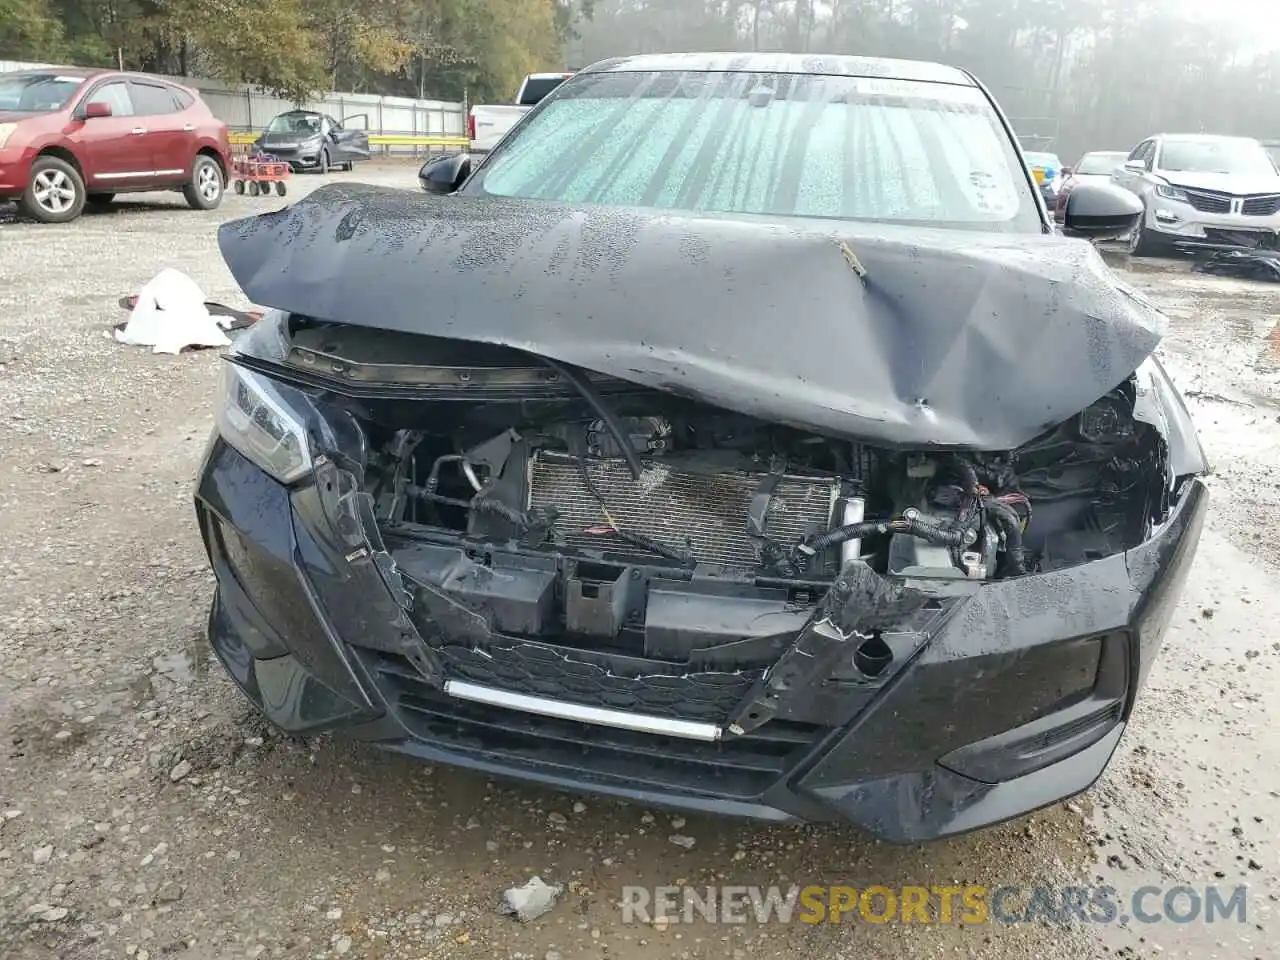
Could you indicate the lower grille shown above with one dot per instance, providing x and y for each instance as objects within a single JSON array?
[
  {"x": 1261, "y": 206},
  {"x": 702, "y": 514},
  {"x": 541, "y": 670},
  {"x": 1207, "y": 202},
  {"x": 740, "y": 768},
  {"x": 1104, "y": 719}
]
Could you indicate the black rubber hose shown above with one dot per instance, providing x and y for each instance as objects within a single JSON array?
[
  {"x": 510, "y": 514},
  {"x": 945, "y": 536},
  {"x": 850, "y": 531},
  {"x": 968, "y": 476},
  {"x": 596, "y": 402},
  {"x": 482, "y": 504},
  {"x": 1007, "y": 519}
]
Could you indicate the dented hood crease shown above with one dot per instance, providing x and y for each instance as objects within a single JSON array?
[{"x": 954, "y": 338}]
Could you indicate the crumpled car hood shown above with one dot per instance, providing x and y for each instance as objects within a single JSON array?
[{"x": 952, "y": 338}]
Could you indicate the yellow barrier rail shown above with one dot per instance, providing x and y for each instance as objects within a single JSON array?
[
  {"x": 409, "y": 140},
  {"x": 378, "y": 140}
]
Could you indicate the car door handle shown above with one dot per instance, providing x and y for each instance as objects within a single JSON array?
[
  {"x": 188, "y": 127},
  {"x": 137, "y": 130}
]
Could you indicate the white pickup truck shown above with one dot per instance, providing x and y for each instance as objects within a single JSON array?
[{"x": 489, "y": 123}]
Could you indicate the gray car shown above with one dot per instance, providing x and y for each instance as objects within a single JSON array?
[
  {"x": 1201, "y": 191},
  {"x": 308, "y": 140}
]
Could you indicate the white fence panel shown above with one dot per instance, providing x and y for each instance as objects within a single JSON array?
[{"x": 245, "y": 110}]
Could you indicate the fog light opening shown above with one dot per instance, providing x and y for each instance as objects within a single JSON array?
[{"x": 873, "y": 656}]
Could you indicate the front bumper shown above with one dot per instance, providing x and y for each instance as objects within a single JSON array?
[
  {"x": 15, "y": 173},
  {"x": 1036, "y": 674},
  {"x": 304, "y": 157},
  {"x": 1181, "y": 225}
]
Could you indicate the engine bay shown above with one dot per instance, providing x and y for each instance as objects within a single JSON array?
[
  {"x": 614, "y": 473},
  {"x": 509, "y": 496}
]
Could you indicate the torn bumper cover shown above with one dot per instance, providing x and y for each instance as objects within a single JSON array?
[{"x": 1002, "y": 696}]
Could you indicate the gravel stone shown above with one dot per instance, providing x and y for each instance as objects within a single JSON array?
[{"x": 532, "y": 900}]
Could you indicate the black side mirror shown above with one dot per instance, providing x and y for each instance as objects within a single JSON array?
[
  {"x": 442, "y": 175},
  {"x": 1101, "y": 212}
]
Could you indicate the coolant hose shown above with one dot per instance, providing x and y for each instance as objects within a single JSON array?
[
  {"x": 945, "y": 536},
  {"x": 1007, "y": 519}
]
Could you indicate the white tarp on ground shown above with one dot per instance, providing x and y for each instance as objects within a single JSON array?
[{"x": 170, "y": 314}]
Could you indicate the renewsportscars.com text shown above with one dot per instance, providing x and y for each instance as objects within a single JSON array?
[{"x": 972, "y": 904}]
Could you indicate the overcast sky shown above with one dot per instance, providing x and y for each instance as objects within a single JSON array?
[{"x": 1259, "y": 19}]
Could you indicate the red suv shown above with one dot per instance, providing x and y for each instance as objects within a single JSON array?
[{"x": 70, "y": 137}]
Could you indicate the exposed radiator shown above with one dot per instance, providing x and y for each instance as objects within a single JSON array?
[{"x": 703, "y": 515}]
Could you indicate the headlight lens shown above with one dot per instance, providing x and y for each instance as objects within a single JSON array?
[
  {"x": 6, "y": 131},
  {"x": 254, "y": 419},
  {"x": 1171, "y": 193}
]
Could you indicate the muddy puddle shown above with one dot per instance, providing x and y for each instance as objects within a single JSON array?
[
  {"x": 1195, "y": 802},
  {"x": 1225, "y": 333}
]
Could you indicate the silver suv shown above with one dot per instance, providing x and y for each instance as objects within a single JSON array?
[{"x": 1202, "y": 191}]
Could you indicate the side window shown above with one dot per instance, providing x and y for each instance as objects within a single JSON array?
[
  {"x": 152, "y": 99},
  {"x": 1137, "y": 151},
  {"x": 1148, "y": 153},
  {"x": 116, "y": 96},
  {"x": 333, "y": 125},
  {"x": 181, "y": 98},
  {"x": 1150, "y": 157}
]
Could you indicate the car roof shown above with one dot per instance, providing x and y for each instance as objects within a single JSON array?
[
  {"x": 822, "y": 65},
  {"x": 79, "y": 73},
  {"x": 1202, "y": 138},
  {"x": 93, "y": 73}
]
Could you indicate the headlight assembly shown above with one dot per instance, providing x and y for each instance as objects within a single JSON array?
[
  {"x": 6, "y": 131},
  {"x": 1171, "y": 193},
  {"x": 254, "y": 418}
]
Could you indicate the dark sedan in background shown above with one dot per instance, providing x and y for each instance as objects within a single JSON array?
[
  {"x": 738, "y": 436},
  {"x": 308, "y": 140},
  {"x": 1095, "y": 167}
]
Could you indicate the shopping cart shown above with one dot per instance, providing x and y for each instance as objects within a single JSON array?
[{"x": 258, "y": 173}]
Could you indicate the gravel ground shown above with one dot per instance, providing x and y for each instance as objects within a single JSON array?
[{"x": 146, "y": 811}]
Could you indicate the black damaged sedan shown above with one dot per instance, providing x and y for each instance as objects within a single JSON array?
[{"x": 739, "y": 436}]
